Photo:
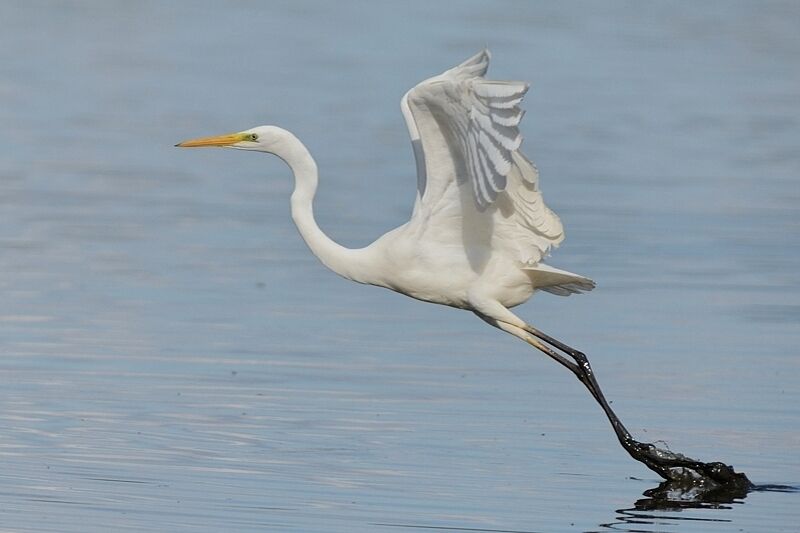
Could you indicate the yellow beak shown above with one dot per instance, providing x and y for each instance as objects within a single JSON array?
[{"x": 218, "y": 140}]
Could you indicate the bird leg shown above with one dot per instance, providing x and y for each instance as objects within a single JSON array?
[
  {"x": 583, "y": 371},
  {"x": 671, "y": 466}
]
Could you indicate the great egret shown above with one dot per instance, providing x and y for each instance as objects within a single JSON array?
[{"x": 479, "y": 229}]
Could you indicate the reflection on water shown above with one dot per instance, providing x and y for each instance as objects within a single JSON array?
[
  {"x": 174, "y": 359},
  {"x": 665, "y": 506}
]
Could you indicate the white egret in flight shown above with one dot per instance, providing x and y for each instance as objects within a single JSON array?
[{"x": 479, "y": 230}]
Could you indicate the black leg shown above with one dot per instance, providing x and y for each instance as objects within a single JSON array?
[{"x": 667, "y": 464}]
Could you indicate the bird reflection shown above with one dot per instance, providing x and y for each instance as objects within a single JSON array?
[{"x": 660, "y": 503}]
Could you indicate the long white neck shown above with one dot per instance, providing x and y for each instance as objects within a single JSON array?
[{"x": 346, "y": 262}]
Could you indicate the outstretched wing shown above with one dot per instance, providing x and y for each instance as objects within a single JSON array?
[{"x": 465, "y": 133}]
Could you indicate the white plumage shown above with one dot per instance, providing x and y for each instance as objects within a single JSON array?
[{"x": 479, "y": 228}]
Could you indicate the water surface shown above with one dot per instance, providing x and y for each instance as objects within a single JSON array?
[{"x": 173, "y": 358}]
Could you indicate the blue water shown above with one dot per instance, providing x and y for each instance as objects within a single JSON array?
[{"x": 174, "y": 359}]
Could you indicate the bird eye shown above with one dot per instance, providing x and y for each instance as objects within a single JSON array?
[{"x": 253, "y": 137}]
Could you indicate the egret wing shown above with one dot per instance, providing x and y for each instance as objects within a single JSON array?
[{"x": 465, "y": 133}]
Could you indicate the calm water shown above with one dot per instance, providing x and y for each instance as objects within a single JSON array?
[{"x": 173, "y": 358}]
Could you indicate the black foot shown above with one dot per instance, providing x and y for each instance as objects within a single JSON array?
[{"x": 682, "y": 471}]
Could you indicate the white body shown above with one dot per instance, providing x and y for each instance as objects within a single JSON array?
[
  {"x": 479, "y": 229},
  {"x": 445, "y": 264}
]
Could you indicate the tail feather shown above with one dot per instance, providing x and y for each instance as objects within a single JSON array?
[{"x": 559, "y": 282}]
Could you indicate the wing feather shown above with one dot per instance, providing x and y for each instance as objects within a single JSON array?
[
  {"x": 466, "y": 128},
  {"x": 507, "y": 117}
]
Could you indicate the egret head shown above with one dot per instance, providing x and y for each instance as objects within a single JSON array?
[{"x": 259, "y": 139}]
